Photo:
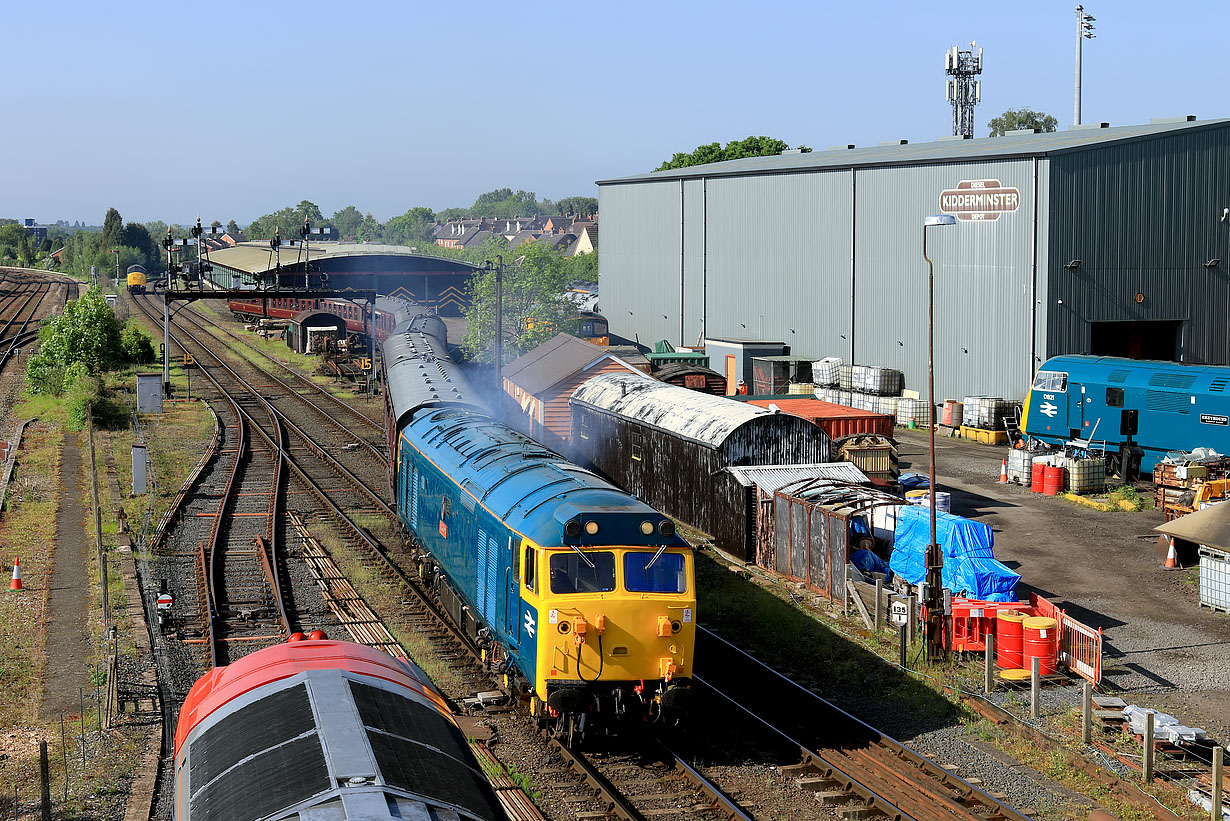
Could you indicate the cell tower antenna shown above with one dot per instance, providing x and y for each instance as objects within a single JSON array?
[{"x": 960, "y": 87}]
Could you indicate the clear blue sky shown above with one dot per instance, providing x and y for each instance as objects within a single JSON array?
[{"x": 233, "y": 110}]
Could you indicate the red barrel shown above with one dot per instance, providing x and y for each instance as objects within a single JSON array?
[
  {"x": 1052, "y": 480},
  {"x": 1036, "y": 475},
  {"x": 1040, "y": 640},
  {"x": 1008, "y": 636}
]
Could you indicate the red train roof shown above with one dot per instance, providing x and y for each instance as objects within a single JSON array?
[{"x": 221, "y": 685}]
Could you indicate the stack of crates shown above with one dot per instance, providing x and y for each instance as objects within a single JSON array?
[
  {"x": 1021, "y": 465},
  {"x": 873, "y": 455},
  {"x": 824, "y": 372}
]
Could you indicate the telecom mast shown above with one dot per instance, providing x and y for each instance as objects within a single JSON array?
[{"x": 962, "y": 90}]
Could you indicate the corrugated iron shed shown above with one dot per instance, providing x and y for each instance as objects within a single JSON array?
[
  {"x": 771, "y": 477},
  {"x": 257, "y": 257},
  {"x": 692, "y": 415}
]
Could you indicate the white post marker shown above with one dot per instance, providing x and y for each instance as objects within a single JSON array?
[{"x": 899, "y": 613}]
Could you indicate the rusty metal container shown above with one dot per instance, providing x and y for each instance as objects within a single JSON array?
[{"x": 836, "y": 420}]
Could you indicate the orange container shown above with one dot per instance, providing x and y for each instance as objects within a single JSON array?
[
  {"x": 953, "y": 414},
  {"x": 1040, "y": 640},
  {"x": 1036, "y": 480},
  {"x": 1008, "y": 634},
  {"x": 1052, "y": 480}
]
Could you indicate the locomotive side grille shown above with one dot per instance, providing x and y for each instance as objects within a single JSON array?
[
  {"x": 1118, "y": 376},
  {"x": 1169, "y": 379},
  {"x": 1218, "y": 385},
  {"x": 1167, "y": 401}
]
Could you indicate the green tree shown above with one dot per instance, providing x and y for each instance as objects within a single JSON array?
[
  {"x": 1017, "y": 118},
  {"x": 580, "y": 206},
  {"x": 370, "y": 229},
  {"x": 345, "y": 223},
  {"x": 84, "y": 339},
  {"x": 136, "y": 236},
  {"x": 289, "y": 220},
  {"x": 535, "y": 304},
  {"x": 734, "y": 150},
  {"x": 112, "y": 224},
  {"x": 411, "y": 228},
  {"x": 232, "y": 227}
]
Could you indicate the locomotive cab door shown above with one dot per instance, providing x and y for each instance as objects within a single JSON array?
[{"x": 1077, "y": 399}]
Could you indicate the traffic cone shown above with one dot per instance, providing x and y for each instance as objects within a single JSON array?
[
  {"x": 15, "y": 584},
  {"x": 1172, "y": 558},
  {"x": 1003, "y": 472}
]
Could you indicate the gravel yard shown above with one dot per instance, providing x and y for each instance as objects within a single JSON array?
[{"x": 1162, "y": 648}]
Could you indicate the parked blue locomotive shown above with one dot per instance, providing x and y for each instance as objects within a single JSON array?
[
  {"x": 1141, "y": 409},
  {"x": 579, "y": 593}
]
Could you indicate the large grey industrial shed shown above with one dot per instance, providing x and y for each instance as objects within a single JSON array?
[{"x": 1092, "y": 240}]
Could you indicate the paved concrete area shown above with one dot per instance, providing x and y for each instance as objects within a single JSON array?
[{"x": 1161, "y": 646}]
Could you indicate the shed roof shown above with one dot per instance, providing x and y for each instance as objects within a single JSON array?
[
  {"x": 810, "y": 408},
  {"x": 693, "y": 415},
  {"x": 771, "y": 477},
  {"x": 1080, "y": 138},
  {"x": 1209, "y": 527},
  {"x": 257, "y": 257},
  {"x": 553, "y": 361},
  {"x": 304, "y": 316}
]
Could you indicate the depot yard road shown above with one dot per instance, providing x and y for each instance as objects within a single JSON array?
[{"x": 1162, "y": 649}]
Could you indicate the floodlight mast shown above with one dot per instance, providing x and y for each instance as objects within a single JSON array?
[
  {"x": 962, "y": 90},
  {"x": 1084, "y": 31}
]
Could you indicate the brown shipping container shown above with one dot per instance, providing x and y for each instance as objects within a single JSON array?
[{"x": 835, "y": 420}]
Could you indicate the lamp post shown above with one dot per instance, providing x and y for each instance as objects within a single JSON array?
[
  {"x": 934, "y": 557},
  {"x": 1084, "y": 31}
]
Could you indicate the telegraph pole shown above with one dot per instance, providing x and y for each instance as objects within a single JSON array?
[{"x": 1084, "y": 31}]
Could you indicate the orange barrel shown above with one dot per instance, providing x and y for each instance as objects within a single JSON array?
[
  {"x": 1008, "y": 639},
  {"x": 1036, "y": 477},
  {"x": 1052, "y": 480},
  {"x": 1040, "y": 640}
]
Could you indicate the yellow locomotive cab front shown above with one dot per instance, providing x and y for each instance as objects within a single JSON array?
[{"x": 615, "y": 615}]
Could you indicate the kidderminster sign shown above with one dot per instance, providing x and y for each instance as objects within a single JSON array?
[{"x": 979, "y": 200}]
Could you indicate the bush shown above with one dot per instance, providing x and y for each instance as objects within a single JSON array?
[
  {"x": 136, "y": 345},
  {"x": 81, "y": 393}
]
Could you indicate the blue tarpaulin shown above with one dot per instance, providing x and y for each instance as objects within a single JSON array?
[
  {"x": 869, "y": 562},
  {"x": 970, "y": 568}
]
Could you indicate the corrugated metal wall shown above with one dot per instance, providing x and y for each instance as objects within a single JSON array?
[
  {"x": 639, "y": 279},
  {"x": 982, "y": 281},
  {"x": 1143, "y": 217},
  {"x": 770, "y": 257}
]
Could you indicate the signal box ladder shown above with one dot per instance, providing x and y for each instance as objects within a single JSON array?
[{"x": 1012, "y": 424}]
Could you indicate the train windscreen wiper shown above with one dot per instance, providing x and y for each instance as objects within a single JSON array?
[
  {"x": 584, "y": 558},
  {"x": 655, "y": 558}
]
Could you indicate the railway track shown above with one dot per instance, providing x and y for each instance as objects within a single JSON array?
[
  {"x": 630, "y": 790},
  {"x": 843, "y": 759}
]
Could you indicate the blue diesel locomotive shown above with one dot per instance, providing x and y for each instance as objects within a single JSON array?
[
  {"x": 580, "y": 594},
  {"x": 1140, "y": 408}
]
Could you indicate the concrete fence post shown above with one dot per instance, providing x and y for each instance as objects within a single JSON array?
[
  {"x": 879, "y": 616},
  {"x": 1148, "y": 744},
  {"x": 988, "y": 682},
  {"x": 1086, "y": 712},
  {"x": 1218, "y": 755},
  {"x": 1035, "y": 687}
]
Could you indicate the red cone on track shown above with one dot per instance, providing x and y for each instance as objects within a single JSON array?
[
  {"x": 15, "y": 584},
  {"x": 1003, "y": 472}
]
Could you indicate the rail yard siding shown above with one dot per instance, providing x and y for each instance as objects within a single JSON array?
[{"x": 823, "y": 251}]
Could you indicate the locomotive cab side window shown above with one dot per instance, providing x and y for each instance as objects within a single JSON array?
[
  {"x": 1051, "y": 381},
  {"x": 1114, "y": 397},
  {"x": 591, "y": 572},
  {"x": 530, "y": 558}
]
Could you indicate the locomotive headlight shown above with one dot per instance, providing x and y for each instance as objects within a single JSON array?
[
  {"x": 647, "y": 528},
  {"x": 591, "y": 528},
  {"x": 572, "y": 529},
  {"x": 666, "y": 527}
]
